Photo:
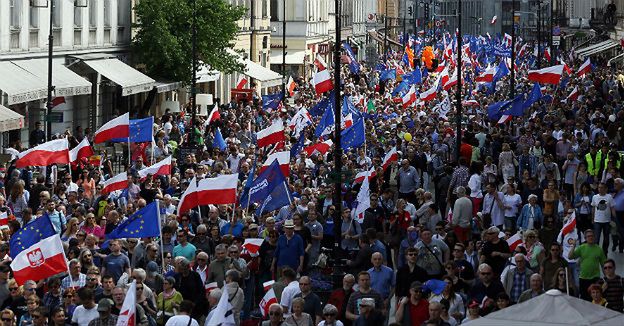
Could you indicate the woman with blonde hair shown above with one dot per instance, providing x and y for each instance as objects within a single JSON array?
[
  {"x": 535, "y": 249},
  {"x": 298, "y": 317},
  {"x": 507, "y": 162},
  {"x": 90, "y": 226},
  {"x": 8, "y": 317},
  {"x": 18, "y": 199},
  {"x": 71, "y": 230}
]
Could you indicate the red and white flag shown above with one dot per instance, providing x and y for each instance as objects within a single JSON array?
[
  {"x": 494, "y": 19},
  {"x": 569, "y": 225},
  {"x": 266, "y": 302},
  {"x": 504, "y": 119},
  {"x": 54, "y": 151},
  {"x": 300, "y": 120},
  {"x": 522, "y": 50},
  {"x": 391, "y": 156},
  {"x": 443, "y": 77},
  {"x": 585, "y": 68},
  {"x": 214, "y": 115},
  {"x": 319, "y": 62},
  {"x": 323, "y": 82},
  {"x": 574, "y": 95},
  {"x": 43, "y": 259},
  {"x": 514, "y": 241},
  {"x": 215, "y": 191},
  {"x": 127, "y": 313},
  {"x": 116, "y": 128},
  {"x": 487, "y": 76},
  {"x": 83, "y": 150},
  {"x": 117, "y": 182},
  {"x": 363, "y": 199},
  {"x": 253, "y": 245},
  {"x": 222, "y": 314},
  {"x": 283, "y": 159},
  {"x": 271, "y": 135},
  {"x": 241, "y": 82},
  {"x": 451, "y": 82},
  {"x": 320, "y": 148},
  {"x": 547, "y": 54},
  {"x": 360, "y": 176},
  {"x": 473, "y": 103},
  {"x": 161, "y": 168},
  {"x": 548, "y": 75},
  {"x": 429, "y": 95},
  {"x": 409, "y": 98},
  {"x": 58, "y": 103},
  {"x": 4, "y": 218},
  {"x": 210, "y": 286},
  {"x": 267, "y": 285},
  {"x": 291, "y": 86}
]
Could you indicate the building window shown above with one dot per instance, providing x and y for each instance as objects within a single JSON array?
[
  {"x": 274, "y": 11},
  {"x": 92, "y": 13},
  {"x": 56, "y": 16},
  {"x": 78, "y": 16},
  {"x": 124, "y": 10},
  {"x": 16, "y": 13},
  {"x": 265, "y": 8},
  {"x": 107, "y": 13},
  {"x": 34, "y": 17}
]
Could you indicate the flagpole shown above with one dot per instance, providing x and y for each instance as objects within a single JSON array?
[
  {"x": 129, "y": 154},
  {"x": 567, "y": 286},
  {"x": 162, "y": 252},
  {"x": 287, "y": 192}
]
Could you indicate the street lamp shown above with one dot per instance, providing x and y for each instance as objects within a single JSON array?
[
  {"x": 50, "y": 4},
  {"x": 337, "y": 200},
  {"x": 284, "y": 52},
  {"x": 513, "y": 48},
  {"x": 458, "y": 96}
]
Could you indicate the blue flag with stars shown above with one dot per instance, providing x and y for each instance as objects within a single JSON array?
[
  {"x": 143, "y": 223},
  {"x": 31, "y": 233},
  {"x": 353, "y": 136},
  {"x": 141, "y": 131},
  {"x": 271, "y": 101}
]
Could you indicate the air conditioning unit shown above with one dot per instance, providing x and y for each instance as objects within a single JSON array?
[
  {"x": 81, "y": 3},
  {"x": 39, "y": 3}
]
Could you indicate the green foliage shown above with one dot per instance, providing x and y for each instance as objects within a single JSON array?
[{"x": 163, "y": 42}]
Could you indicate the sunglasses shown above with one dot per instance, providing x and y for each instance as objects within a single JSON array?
[
  {"x": 608, "y": 267},
  {"x": 139, "y": 288},
  {"x": 275, "y": 313},
  {"x": 92, "y": 279},
  {"x": 329, "y": 315},
  {"x": 68, "y": 296},
  {"x": 13, "y": 289},
  {"x": 6, "y": 319}
]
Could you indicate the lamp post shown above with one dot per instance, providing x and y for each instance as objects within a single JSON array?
[
  {"x": 513, "y": 49},
  {"x": 194, "y": 81},
  {"x": 385, "y": 43},
  {"x": 284, "y": 52},
  {"x": 337, "y": 200},
  {"x": 50, "y": 4},
  {"x": 458, "y": 95}
]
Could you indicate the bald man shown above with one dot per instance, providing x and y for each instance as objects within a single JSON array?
[{"x": 383, "y": 279}]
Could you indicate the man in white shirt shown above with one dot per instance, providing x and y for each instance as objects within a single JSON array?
[
  {"x": 184, "y": 316},
  {"x": 290, "y": 291},
  {"x": 87, "y": 311},
  {"x": 604, "y": 210}
]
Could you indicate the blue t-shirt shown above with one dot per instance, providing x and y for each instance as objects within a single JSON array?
[
  {"x": 237, "y": 229},
  {"x": 115, "y": 265},
  {"x": 288, "y": 252}
]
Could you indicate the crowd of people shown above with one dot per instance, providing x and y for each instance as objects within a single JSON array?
[{"x": 436, "y": 247}]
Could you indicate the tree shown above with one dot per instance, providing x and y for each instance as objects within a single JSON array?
[{"x": 163, "y": 42}]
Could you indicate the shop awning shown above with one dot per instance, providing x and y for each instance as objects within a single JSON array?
[
  {"x": 380, "y": 36},
  {"x": 268, "y": 77},
  {"x": 596, "y": 48},
  {"x": 10, "y": 120},
  {"x": 294, "y": 58},
  {"x": 131, "y": 80},
  {"x": 65, "y": 81},
  {"x": 163, "y": 87},
  {"x": 20, "y": 85},
  {"x": 205, "y": 75}
]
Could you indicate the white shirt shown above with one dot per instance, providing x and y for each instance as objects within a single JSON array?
[
  {"x": 475, "y": 186},
  {"x": 181, "y": 320},
  {"x": 513, "y": 201},
  {"x": 289, "y": 293},
  {"x": 603, "y": 205},
  {"x": 83, "y": 316}
]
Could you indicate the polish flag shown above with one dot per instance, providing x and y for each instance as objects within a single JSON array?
[
  {"x": 127, "y": 313},
  {"x": 507, "y": 40},
  {"x": 116, "y": 128},
  {"x": 322, "y": 82},
  {"x": 210, "y": 286},
  {"x": 43, "y": 259},
  {"x": 549, "y": 75},
  {"x": 267, "y": 285},
  {"x": 585, "y": 68},
  {"x": 320, "y": 63},
  {"x": 487, "y": 76},
  {"x": 522, "y": 50},
  {"x": 514, "y": 241},
  {"x": 214, "y": 115},
  {"x": 346, "y": 122},
  {"x": 161, "y": 168},
  {"x": 360, "y": 176},
  {"x": 409, "y": 98},
  {"x": 547, "y": 54},
  {"x": 569, "y": 225},
  {"x": 117, "y": 182},
  {"x": 320, "y": 148},
  {"x": 441, "y": 67},
  {"x": 451, "y": 82},
  {"x": 271, "y": 135},
  {"x": 82, "y": 150},
  {"x": 391, "y": 156},
  {"x": 443, "y": 78},
  {"x": 429, "y": 94},
  {"x": 283, "y": 159},
  {"x": 54, "y": 151},
  {"x": 300, "y": 120},
  {"x": 242, "y": 81},
  {"x": 59, "y": 103},
  {"x": 253, "y": 245},
  {"x": 266, "y": 302},
  {"x": 473, "y": 103},
  {"x": 291, "y": 86},
  {"x": 494, "y": 19},
  {"x": 504, "y": 119},
  {"x": 215, "y": 191},
  {"x": 4, "y": 218},
  {"x": 574, "y": 95}
]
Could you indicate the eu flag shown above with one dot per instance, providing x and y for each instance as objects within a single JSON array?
[
  {"x": 278, "y": 198},
  {"x": 320, "y": 107},
  {"x": 495, "y": 110},
  {"x": 534, "y": 96},
  {"x": 516, "y": 108},
  {"x": 31, "y": 233},
  {"x": 263, "y": 185},
  {"x": 353, "y": 136},
  {"x": 141, "y": 131},
  {"x": 271, "y": 101},
  {"x": 387, "y": 74},
  {"x": 400, "y": 89},
  {"x": 218, "y": 141},
  {"x": 354, "y": 66},
  {"x": 296, "y": 148},
  {"x": 143, "y": 223},
  {"x": 326, "y": 124}
]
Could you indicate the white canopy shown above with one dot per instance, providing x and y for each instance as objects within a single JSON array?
[
  {"x": 10, "y": 120},
  {"x": 552, "y": 308}
]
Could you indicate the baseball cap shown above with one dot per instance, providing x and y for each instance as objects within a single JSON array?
[{"x": 105, "y": 304}]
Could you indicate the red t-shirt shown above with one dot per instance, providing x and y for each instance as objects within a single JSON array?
[{"x": 419, "y": 313}]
